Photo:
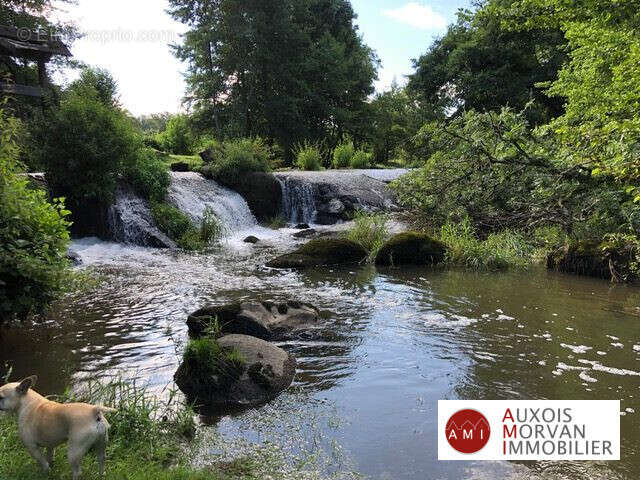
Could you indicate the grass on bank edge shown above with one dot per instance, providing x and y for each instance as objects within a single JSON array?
[{"x": 149, "y": 440}]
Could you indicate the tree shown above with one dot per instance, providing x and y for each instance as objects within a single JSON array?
[
  {"x": 600, "y": 84},
  {"x": 395, "y": 117},
  {"x": 481, "y": 65},
  {"x": 33, "y": 236},
  {"x": 288, "y": 70}
]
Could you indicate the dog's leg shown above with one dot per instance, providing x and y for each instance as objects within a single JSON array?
[
  {"x": 101, "y": 452},
  {"x": 50, "y": 456},
  {"x": 75, "y": 454},
  {"x": 36, "y": 453}
]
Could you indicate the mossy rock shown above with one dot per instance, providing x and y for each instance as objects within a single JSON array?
[
  {"x": 262, "y": 192},
  {"x": 411, "y": 248},
  {"x": 235, "y": 371},
  {"x": 581, "y": 258},
  {"x": 319, "y": 252}
]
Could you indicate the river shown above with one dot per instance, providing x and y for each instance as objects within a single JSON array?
[{"x": 395, "y": 341}]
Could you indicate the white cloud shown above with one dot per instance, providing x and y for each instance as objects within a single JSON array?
[{"x": 418, "y": 15}]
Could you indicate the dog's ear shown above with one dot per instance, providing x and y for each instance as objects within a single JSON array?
[{"x": 26, "y": 384}]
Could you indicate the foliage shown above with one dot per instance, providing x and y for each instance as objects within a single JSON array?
[
  {"x": 342, "y": 155},
  {"x": 177, "y": 137},
  {"x": 33, "y": 237},
  {"x": 287, "y": 71},
  {"x": 149, "y": 175},
  {"x": 396, "y": 118},
  {"x": 149, "y": 439},
  {"x": 370, "y": 231},
  {"x": 205, "y": 358},
  {"x": 85, "y": 146},
  {"x": 210, "y": 227},
  {"x": 623, "y": 253},
  {"x": 492, "y": 168},
  {"x": 276, "y": 223},
  {"x": 599, "y": 83},
  {"x": 308, "y": 156},
  {"x": 98, "y": 84},
  {"x": 361, "y": 159},
  {"x": 237, "y": 158},
  {"x": 499, "y": 251},
  {"x": 479, "y": 64}
]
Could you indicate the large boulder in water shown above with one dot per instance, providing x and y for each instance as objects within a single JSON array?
[
  {"x": 234, "y": 371},
  {"x": 263, "y": 194},
  {"x": 411, "y": 248},
  {"x": 265, "y": 320},
  {"x": 318, "y": 252}
]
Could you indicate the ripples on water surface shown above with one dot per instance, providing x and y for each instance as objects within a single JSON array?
[{"x": 367, "y": 385}]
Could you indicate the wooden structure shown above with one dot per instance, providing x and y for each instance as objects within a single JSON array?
[{"x": 33, "y": 46}]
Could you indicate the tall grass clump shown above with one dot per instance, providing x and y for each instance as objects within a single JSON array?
[
  {"x": 499, "y": 251},
  {"x": 308, "y": 157},
  {"x": 210, "y": 227},
  {"x": 361, "y": 159},
  {"x": 370, "y": 231},
  {"x": 149, "y": 438},
  {"x": 342, "y": 155},
  {"x": 149, "y": 175}
]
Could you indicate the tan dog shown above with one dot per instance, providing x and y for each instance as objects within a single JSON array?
[{"x": 46, "y": 424}]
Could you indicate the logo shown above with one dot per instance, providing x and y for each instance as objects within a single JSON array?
[{"x": 468, "y": 431}]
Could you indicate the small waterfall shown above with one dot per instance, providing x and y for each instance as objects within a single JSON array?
[
  {"x": 192, "y": 193},
  {"x": 298, "y": 201},
  {"x": 130, "y": 221}
]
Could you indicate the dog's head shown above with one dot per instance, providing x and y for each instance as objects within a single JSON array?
[{"x": 12, "y": 394}]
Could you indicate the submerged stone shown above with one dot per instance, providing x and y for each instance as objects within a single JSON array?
[
  {"x": 411, "y": 248},
  {"x": 244, "y": 372},
  {"x": 319, "y": 252},
  {"x": 265, "y": 320},
  {"x": 309, "y": 232}
]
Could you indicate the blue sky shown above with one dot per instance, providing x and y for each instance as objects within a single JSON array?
[
  {"x": 400, "y": 30},
  {"x": 134, "y": 46}
]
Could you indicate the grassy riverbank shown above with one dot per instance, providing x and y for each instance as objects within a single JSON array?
[{"x": 149, "y": 439}]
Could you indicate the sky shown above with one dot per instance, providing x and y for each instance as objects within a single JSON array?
[{"x": 131, "y": 38}]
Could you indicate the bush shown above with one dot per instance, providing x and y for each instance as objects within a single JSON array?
[
  {"x": 238, "y": 158},
  {"x": 179, "y": 227},
  {"x": 33, "y": 237},
  {"x": 361, "y": 159},
  {"x": 308, "y": 157},
  {"x": 149, "y": 175},
  {"x": 370, "y": 231},
  {"x": 85, "y": 146},
  {"x": 177, "y": 138},
  {"x": 500, "y": 251},
  {"x": 342, "y": 155}
]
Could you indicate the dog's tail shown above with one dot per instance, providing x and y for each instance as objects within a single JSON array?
[{"x": 103, "y": 409}]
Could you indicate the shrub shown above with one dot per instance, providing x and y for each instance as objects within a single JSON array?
[
  {"x": 342, "y": 155},
  {"x": 370, "y": 231},
  {"x": 361, "y": 159},
  {"x": 210, "y": 227},
  {"x": 308, "y": 157},
  {"x": 149, "y": 175},
  {"x": 276, "y": 223},
  {"x": 499, "y": 251},
  {"x": 238, "y": 158},
  {"x": 85, "y": 145},
  {"x": 177, "y": 138},
  {"x": 33, "y": 237}
]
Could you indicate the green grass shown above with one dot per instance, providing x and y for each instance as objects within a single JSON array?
[
  {"x": 499, "y": 251},
  {"x": 370, "y": 231},
  {"x": 276, "y": 223},
  {"x": 149, "y": 440},
  {"x": 194, "y": 161}
]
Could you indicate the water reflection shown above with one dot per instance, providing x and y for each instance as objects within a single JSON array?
[{"x": 393, "y": 343}]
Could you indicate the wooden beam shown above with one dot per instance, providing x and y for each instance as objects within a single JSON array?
[{"x": 12, "y": 89}]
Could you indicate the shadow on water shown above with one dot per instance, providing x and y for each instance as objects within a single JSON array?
[{"x": 393, "y": 343}]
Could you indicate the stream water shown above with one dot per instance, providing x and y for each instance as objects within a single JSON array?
[{"x": 366, "y": 391}]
